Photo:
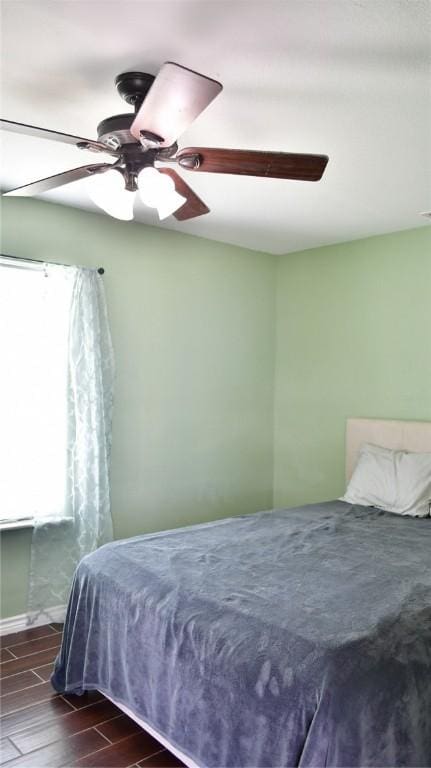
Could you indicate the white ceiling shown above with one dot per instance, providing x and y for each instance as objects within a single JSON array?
[{"x": 347, "y": 78}]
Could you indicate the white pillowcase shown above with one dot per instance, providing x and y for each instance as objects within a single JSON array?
[{"x": 396, "y": 481}]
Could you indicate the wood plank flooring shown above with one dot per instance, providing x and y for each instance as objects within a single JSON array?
[{"x": 41, "y": 729}]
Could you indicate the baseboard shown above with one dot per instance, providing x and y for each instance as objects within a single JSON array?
[{"x": 25, "y": 620}]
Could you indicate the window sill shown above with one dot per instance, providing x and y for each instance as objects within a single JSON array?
[
  {"x": 12, "y": 525},
  {"x": 28, "y": 522}
]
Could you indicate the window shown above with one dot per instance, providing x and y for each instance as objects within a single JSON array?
[{"x": 34, "y": 326}]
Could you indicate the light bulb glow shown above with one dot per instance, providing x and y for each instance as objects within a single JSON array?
[
  {"x": 157, "y": 190},
  {"x": 108, "y": 192}
]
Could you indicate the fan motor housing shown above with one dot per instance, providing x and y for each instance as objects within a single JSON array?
[
  {"x": 133, "y": 88},
  {"x": 115, "y": 131}
]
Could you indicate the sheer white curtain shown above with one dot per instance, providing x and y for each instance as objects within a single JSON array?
[{"x": 61, "y": 539}]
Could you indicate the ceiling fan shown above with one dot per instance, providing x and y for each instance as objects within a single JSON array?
[{"x": 164, "y": 107}]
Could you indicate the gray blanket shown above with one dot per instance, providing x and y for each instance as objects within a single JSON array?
[{"x": 296, "y": 637}]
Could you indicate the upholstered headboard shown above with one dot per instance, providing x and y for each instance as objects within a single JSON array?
[{"x": 412, "y": 436}]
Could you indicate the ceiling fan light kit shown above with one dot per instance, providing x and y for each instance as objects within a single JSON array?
[
  {"x": 165, "y": 106},
  {"x": 158, "y": 191},
  {"x": 110, "y": 194}
]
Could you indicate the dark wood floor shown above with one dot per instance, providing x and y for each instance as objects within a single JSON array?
[{"x": 41, "y": 728}]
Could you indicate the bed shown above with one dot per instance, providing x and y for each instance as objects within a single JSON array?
[{"x": 297, "y": 637}]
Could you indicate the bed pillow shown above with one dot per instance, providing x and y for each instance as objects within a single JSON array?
[{"x": 396, "y": 481}]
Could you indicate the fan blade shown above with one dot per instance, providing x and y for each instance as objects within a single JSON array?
[
  {"x": 274, "y": 165},
  {"x": 65, "y": 138},
  {"x": 177, "y": 96},
  {"x": 194, "y": 206},
  {"x": 59, "y": 180}
]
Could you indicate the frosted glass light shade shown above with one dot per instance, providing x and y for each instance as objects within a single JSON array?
[
  {"x": 157, "y": 190},
  {"x": 170, "y": 204},
  {"x": 108, "y": 192}
]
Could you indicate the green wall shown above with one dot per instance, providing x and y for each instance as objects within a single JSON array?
[
  {"x": 353, "y": 339},
  {"x": 193, "y": 331},
  {"x": 236, "y": 370}
]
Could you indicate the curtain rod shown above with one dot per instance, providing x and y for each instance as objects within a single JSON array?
[{"x": 100, "y": 270}]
